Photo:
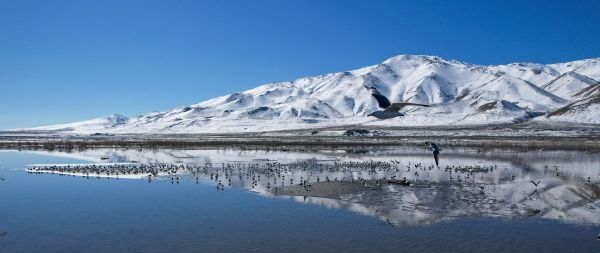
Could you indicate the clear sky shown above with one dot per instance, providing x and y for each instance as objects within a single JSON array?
[{"x": 63, "y": 61}]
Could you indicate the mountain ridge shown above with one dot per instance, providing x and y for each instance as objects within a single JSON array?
[{"x": 459, "y": 92}]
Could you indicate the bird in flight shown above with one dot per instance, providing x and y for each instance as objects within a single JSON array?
[
  {"x": 391, "y": 110},
  {"x": 436, "y": 151}
]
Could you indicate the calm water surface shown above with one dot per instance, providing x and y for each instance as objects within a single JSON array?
[{"x": 492, "y": 208}]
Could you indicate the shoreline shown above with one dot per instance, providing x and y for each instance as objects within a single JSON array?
[
  {"x": 526, "y": 136},
  {"x": 284, "y": 143}
]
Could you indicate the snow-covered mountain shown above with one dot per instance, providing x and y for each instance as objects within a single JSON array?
[
  {"x": 98, "y": 124},
  {"x": 460, "y": 93}
]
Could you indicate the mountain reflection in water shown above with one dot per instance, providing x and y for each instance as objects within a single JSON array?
[{"x": 400, "y": 187}]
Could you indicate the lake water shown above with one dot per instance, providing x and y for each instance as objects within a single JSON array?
[{"x": 349, "y": 201}]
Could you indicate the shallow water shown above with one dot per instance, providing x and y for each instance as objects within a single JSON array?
[{"x": 492, "y": 210}]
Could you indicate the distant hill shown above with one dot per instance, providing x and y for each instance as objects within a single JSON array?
[{"x": 460, "y": 93}]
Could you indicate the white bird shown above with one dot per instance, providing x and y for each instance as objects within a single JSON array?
[{"x": 390, "y": 110}]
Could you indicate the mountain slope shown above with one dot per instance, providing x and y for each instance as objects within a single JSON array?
[
  {"x": 459, "y": 93},
  {"x": 97, "y": 124},
  {"x": 569, "y": 84}
]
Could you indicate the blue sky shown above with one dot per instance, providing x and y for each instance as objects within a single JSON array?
[{"x": 63, "y": 61}]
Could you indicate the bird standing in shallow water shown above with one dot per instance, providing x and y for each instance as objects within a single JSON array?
[{"x": 436, "y": 151}]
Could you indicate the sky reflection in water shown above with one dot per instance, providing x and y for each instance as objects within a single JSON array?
[{"x": 497, "y": 209}]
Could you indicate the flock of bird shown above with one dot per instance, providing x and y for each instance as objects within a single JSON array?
[
  {"x": 273, "y": 174},
  {"x": 112, "y": 170}
]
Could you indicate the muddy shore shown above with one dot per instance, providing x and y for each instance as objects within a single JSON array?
[{"x": 526, "y": 136}]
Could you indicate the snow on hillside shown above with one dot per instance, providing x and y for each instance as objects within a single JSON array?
[
  {"x": 98, "y": 124},
  {"x": 460, "y": 93},
  {"x": 569, "y": 84}
]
